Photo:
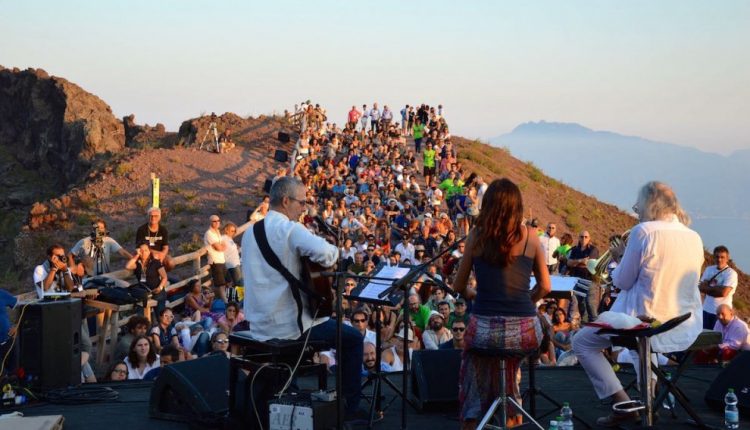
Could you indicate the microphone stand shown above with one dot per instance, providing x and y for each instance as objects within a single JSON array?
[
  {"x": 339, "y": 327},
  {"x": 338, "y": 235},
  {"x": 403, "y": 284}
]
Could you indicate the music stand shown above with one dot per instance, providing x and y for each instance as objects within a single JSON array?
[{"x": 370, "y": 292}]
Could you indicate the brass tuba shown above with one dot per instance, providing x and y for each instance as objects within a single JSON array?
[{"x": 598, "y": 267}]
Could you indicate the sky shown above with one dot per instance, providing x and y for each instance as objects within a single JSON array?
[{"x": 676, "y": 71}]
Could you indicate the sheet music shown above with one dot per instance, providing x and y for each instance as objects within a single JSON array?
[
  {"x": 559, "y": 283},
  {"x": 376, "y": 286}
]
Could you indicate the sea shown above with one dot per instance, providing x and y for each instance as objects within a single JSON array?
[{"x": 734, "y": 233}]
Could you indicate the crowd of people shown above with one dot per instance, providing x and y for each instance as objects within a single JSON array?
[{"x": 386, "y": 193}]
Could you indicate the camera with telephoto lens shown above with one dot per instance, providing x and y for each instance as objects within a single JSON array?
[{"x": 97, "y": 235}]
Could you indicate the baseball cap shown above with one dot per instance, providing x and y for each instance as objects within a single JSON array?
[{"x": 410, "y": 334}]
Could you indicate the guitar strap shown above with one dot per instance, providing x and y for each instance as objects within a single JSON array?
[{"x": 272, "y": 259}]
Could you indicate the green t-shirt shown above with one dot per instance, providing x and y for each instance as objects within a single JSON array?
[
  {"x": 562, "y": 250},
  {"x": 418, "y": 130},
  {"x": 421, "y": 317},
  {"x": 429, "y": 158},
  {"x": 452, "y": 188}
]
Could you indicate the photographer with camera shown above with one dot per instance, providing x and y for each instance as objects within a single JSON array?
[
  {"x": 53, "y": 275},
  {"x": 95, "y": 250}
]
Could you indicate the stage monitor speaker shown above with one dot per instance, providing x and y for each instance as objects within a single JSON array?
[
  {"x": 435, "y": 376},
  {"x": 281, "y": 156},
  {"x": 267, "y": 186},
  {"x": 193, "y": 391},
  {"x": 50, "y": 343},
  {"x": 284, "y": 137},
  {"x": 737, "y": 376}
]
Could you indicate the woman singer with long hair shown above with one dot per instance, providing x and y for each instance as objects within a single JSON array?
[{"x": 503, "y": 254}]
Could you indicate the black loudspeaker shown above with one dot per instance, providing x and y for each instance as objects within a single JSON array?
[
  {"x": 736, "y": 376},
  {"x": 267, "y": 186},
  {"x": 434, "y": 377},
  {"x": 281, "y": 156},
  {"x": 194, "y": 391},
  {"x": 283, "y": 137},
  {"x": 50, "y": 343}
]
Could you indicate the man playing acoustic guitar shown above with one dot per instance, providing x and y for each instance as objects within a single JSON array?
[{"x": 277, "y": 309}]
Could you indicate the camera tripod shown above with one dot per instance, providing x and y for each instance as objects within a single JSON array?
[
  {"x": 97, "y": 254},
  {"x": 211, "y": 128}
]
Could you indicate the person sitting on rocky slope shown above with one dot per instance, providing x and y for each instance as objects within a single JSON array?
[{"x": 225, "y": 141}]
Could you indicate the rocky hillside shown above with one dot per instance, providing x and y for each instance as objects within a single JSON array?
[
  {"x": 51, "y": 134},
  {"x": 53, "y": 127}
]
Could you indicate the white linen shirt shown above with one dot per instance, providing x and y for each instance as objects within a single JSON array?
[
  {"x": 658, "y": 275},
  {"x": 269, "y": 304}
]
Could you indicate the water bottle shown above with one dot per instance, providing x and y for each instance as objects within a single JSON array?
[
  {"x": 553, "y": 425},
  {"x": 565, "y": 422},
  {"x": 669, "y": 400},
  {"x": 731, "y": 414}
]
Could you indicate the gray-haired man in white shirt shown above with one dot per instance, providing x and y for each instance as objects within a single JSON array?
[{"x": 270, "y": 305}]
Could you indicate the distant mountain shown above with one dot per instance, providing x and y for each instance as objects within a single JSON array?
[
  {"x": 741, "y": 156},
  {"x": 612, "y": 166}
]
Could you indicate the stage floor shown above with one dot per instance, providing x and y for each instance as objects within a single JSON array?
[{"x": 570, "y": 384}]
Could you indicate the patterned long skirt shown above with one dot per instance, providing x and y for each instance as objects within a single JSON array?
[{"x": 479, "y": 380}]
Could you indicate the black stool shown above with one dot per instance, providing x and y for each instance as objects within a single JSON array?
[
  {"x": 503, "y": 400},
  {"x": 640, "y": 340},
  {"x": 275, "y": 353}
]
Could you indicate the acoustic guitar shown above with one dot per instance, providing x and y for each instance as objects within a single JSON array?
[{"x": 321, "y": 285}]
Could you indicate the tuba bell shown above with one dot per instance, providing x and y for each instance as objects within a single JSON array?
[{"x": 599, "y": 267}]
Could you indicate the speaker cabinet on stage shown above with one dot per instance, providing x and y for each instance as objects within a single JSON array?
[
  {"x": 50, "y": 343},
  {"x": 435, "y": 376},
  {"x": 283, "y": 137},
  {"x": 737, "y": 376},
  {"x": 281, "y": 156},
  {"x": 194, "y": 390}
]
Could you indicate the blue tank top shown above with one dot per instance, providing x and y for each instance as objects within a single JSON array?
[{"x": 504, "y": 290}]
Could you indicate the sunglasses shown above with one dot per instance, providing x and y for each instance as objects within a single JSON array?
[
  {"x": 221, "y": 341},
  {"x": 459, "y": 329},
  {"x": 359, "y": 321},
  {"x": 120, "y": 371}
]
